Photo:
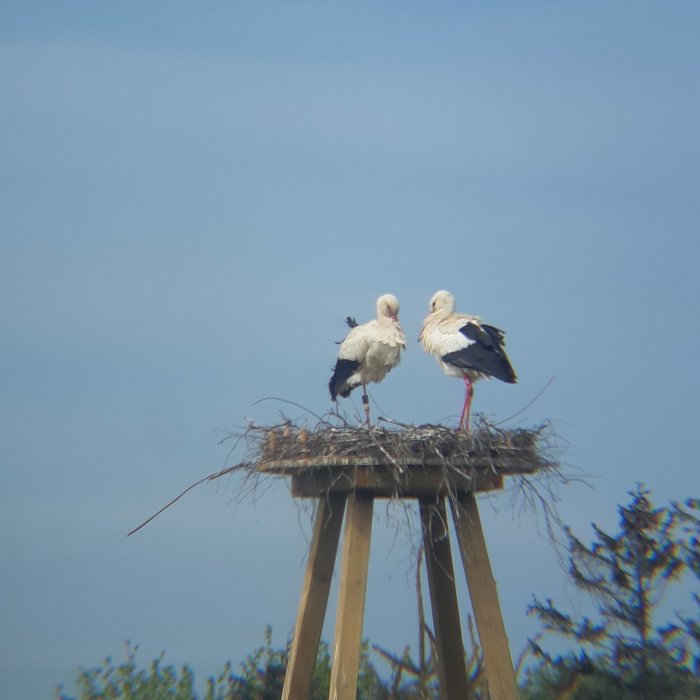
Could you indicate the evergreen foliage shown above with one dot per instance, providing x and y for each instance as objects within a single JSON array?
[
  {"x": 686, "y": 636},
  {"x": 624, "y": 654}
]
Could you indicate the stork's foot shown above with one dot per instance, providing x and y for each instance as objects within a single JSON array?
[{"x": 463, "y": 423}]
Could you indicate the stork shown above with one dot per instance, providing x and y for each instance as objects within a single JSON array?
[
  {"x": 369, "y": 352},
  {"x": 464, "y": 347}
]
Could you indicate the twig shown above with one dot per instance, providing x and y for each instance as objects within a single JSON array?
[
  {"x": 291, "y": 403},
  {"x": 529, "y": 403},
  {"x": 210, "y": 477},
  {"x": 392, "y": 421}
]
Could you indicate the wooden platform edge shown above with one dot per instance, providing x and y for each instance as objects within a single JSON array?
[
  {"x": 506, "y": 463},
  {"x": 385, "y": 483}
]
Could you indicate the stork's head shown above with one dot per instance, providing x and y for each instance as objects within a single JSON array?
[
  {"x": 442, "y": 303},
  {"x": 388, "y": 306}
]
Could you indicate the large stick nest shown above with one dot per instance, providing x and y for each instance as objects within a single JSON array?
[{"x": 290, "y": 449}]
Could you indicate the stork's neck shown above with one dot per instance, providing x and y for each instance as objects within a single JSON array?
[{"x": 441, "y": 313}]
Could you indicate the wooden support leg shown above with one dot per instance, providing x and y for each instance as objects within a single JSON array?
[
  {"x": 482, "y": 590},
  {"x": 443, "y": 598},
  {"x": 314, "y": 597},
  {"x": 351, "y": 597}
]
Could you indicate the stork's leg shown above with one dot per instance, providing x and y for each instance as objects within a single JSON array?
[
  {"x": 466, "y": 409},
  {"x": 365, "y": 403},
  {"x": 470, "y": 396},
  {"x": 464, "y": 412}
]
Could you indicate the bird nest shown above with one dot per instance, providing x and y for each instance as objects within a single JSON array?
[
  {"x": 290, "y": 447},
  {"x": 393, "y": 460},
  {"x": 400, "y": 461}
]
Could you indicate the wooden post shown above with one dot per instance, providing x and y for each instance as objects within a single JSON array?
[
  {"x": 484, "y": 597},
  {"x": 443, "y": 598},
  {"x": 351, "y": 597},
  {"x": 314, "y": 597}
]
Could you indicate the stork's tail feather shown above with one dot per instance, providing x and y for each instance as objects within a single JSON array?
[{"x": 344, "y": 369}]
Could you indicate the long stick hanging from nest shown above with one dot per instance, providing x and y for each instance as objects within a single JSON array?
[{"x": 210, "y": 477}]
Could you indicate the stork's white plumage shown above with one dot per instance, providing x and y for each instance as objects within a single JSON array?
[
  {"x": 369, "y": 352},
  {"x": 464, "y": 347}
]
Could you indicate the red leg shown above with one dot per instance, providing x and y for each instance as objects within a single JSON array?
[
  {"x": 466, "y": 409},
  {"x": 470, "y": 396}
]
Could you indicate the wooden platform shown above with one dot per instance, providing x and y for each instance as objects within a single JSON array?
[{"x": 345, "y": 486}]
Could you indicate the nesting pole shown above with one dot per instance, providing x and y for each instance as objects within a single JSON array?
[{"x": 344, "y": 482}]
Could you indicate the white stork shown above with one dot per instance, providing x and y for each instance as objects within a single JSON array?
[
  {"x": 369, "y": 351},
  {"x": 464, "y": 347}
]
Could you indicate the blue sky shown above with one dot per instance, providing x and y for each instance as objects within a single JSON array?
[{"x": 193, "y": 199}]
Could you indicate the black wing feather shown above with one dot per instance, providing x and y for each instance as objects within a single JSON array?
[
  {"x": 486, "y": 354},
  {"x": 344, "y": 369}
]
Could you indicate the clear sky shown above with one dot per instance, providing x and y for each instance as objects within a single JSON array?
[{"x": 195, "y": 195}]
